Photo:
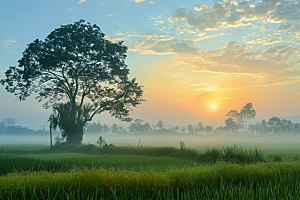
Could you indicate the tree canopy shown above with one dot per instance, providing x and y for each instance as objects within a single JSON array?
[{"x": 73, "y": 65}]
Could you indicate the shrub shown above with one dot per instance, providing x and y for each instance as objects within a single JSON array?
[
  {"x": 211, "y": 155},
  {"x": 239, "y": 155}
]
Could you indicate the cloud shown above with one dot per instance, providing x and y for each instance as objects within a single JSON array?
[
  {"x": 268, "y": 40},
  {"x": 138, "y": 1},
  {"x": 208, "y": 37},
  {"x": 117, "y": 39},
  {"x": 119, "y": 33},
  {"x": 81, "y": 1},
  {"x": 8, "y": 42},
  {"x": 10, "y": 46},
  {"x": 205, "y": 86},
  {"x": 229, "y": 13},
  {"x": 154, "y": 43},
  {"x": 275, "y": 65}
]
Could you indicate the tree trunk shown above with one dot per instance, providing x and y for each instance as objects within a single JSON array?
[{"x": 74, "y": 135}]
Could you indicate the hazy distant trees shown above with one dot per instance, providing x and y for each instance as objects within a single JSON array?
[
  {"x": 8, "y": 122},
  {"x": 2, "y": 127},
  {"x": 137, "y": 126},
  {"x": 241, "y": 117},
  {"x": 231, "y": 125},
  {"x": 160, "y": 125},
  {"x": 114, "y": 128},
  {"x": 8, "y": 127},
  {"x": 175, "y": 129},
  {"x": 182, "y": 130},
  {"x": 208, "y": 129},
  {"x": 105, "y": 129},
  {"x": 199, "y": 128},
  {"x": 190, "y": 128},
  {"x": 274, "y": 125},
  {"x": 75, "y": 63}
]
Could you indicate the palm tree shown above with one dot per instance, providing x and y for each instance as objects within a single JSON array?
[
  {"x": 106, "y": 128},
  {"x": 114, "y": 128}
]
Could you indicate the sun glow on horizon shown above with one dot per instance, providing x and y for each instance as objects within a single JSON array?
[{"x": 213, "y": 106}]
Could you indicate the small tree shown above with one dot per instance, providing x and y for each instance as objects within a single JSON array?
[{"x": 101, "y": 141}]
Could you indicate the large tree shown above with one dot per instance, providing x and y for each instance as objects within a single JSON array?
[{"x": 73, "y": 65}]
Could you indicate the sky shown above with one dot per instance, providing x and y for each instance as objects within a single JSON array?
[{"x": 188, "y": 55}]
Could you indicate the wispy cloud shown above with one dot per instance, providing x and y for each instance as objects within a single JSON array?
[
  {"x": 208, "y": 37},
  {"x": 10, "y": 46},
  {"x": 276, "y": 65},
  {"x": 154, "y": 43},
  {"x": 81, "y": 1}
]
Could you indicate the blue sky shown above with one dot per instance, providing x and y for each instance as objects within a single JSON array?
[{"x": 187, "y": 54}]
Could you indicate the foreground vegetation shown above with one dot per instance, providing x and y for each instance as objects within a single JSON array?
[
  {"x": 148, "y": 173},
  {"x": 221, "y": 181}
]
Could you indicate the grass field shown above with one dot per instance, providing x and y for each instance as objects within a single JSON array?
[{"x": 149, "y": 173}]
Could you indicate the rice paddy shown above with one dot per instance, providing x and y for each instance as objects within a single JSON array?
[{"x": 150, "y": 173}]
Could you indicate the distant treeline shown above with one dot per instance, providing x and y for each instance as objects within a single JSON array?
[
  {"x": 7, "y": 127},
  {"x": 274, "y": 125}
]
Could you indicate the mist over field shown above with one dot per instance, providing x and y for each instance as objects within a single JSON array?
[{"x": 199, "y": 142}]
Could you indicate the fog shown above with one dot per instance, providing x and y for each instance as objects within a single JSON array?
[{"x": 196, "y": 142}]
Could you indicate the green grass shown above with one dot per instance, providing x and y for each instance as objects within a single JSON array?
[
  {"x": 220, "y": 181},
  {"x": 62, "y": 162},
  {"x": 150, "y": 173},
  {"x": 10, "y": 148}
]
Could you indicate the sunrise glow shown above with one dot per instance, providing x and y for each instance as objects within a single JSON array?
[{"x": 195, "y": 63}]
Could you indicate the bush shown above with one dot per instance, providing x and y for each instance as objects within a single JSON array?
[
  {"x": 237, "y": 154},
  {"x": 228, "y": 154},
  {"x": 211, "y": 155}
]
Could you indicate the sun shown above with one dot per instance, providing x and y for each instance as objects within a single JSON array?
[{"x": 213, "y": 106}]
